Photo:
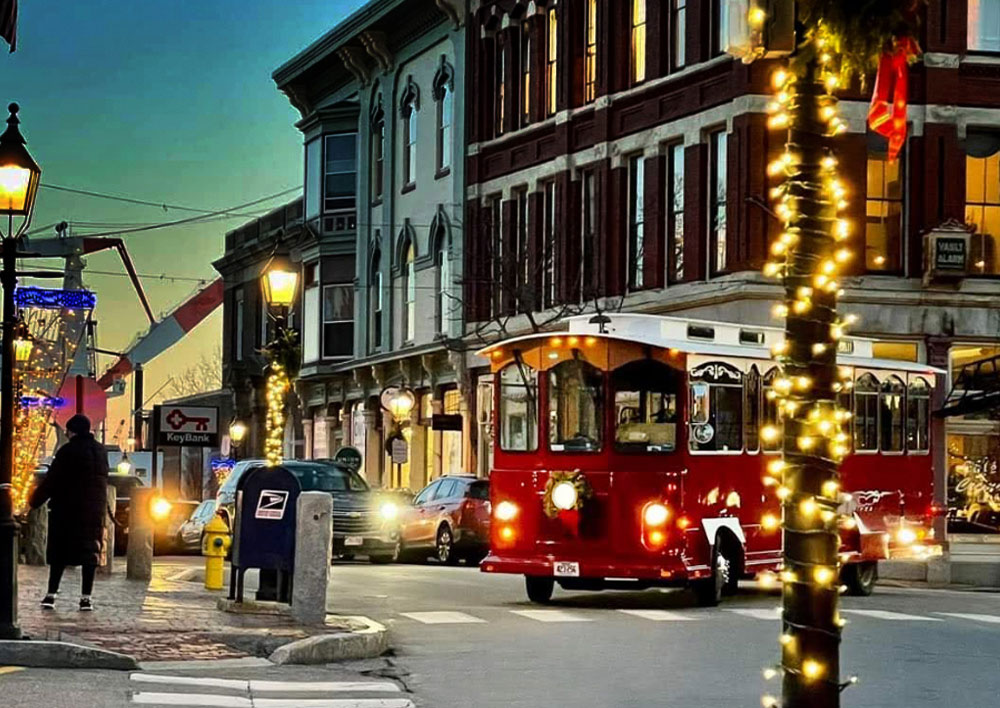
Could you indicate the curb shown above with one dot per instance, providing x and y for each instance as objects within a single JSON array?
[
  {"x": 370, "y": 641},
  {"x": 62, "y": 655}
]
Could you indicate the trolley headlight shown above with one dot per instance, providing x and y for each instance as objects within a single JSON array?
[
  {"x": 505, "y": 511},
  {"x": 388, "y": 511},
  {"x": 564, "y": 496},
  {"x": 906, "y": 536},
  {"x": 656, "y": 514}
]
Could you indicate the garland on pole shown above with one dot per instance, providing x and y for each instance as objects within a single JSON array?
[
  {"x": 838, "y": 39},
  {"x": 284, "y": 356}
]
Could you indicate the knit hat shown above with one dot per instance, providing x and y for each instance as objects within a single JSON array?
[{"x": 78, "y": 425}]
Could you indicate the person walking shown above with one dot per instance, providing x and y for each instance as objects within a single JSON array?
[{"x": 76, "y": 488}]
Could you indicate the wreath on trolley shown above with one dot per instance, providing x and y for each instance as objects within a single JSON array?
[{"x": 565, "y": 491}]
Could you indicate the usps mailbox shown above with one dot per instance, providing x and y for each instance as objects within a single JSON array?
[{"x": 266, "y": 503}]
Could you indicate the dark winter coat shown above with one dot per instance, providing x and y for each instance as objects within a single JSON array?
[{"x": 76, "y": 488}]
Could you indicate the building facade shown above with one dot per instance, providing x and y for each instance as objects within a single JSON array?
[
  {"x": 617, "y": 159},
  {"x": 381, "y": 100}
]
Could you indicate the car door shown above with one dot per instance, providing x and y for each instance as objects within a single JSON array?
[
  {"x": 191, "y": 529},
  {"x": 413, "y": 530},
  {"x": 438, "y": 506}
]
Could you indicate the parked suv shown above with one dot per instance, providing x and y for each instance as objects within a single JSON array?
[
  {"x": 363, "y": 522},
  {"x": 448, "y": 519}
]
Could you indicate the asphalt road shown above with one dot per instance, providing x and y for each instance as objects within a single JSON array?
[{"x": 911, "y": 648}]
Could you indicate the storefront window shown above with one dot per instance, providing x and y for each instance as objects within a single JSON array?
[
  {"x": 918, "y": 406},
  {"x": 891, "y": 412},
  {"x": 518, "y": 414},
  {"x": 451, "y": 440},
  {"x": 426, "y": 417},
  {"x": 717, "y": 399},
  {"x": 645, "y": 407},
  {"x": 866, "y": 413},
  {"x": 576, "y": 407}
]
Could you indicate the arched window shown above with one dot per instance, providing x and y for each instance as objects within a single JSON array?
[
  {"x": 443, "y": 290},
  {"x": 892, "y": 398},
  {"x": 409, "y": 294},
  {"x": 444, "y": 95},
  {"x": 518, "y": 414},
  {"x": 918, "y": 420},
  {"x": 769, "y": 410},
  {"x": 866, "y": 413},
  {"x": 576, "y": 407},
  {"x": 375, "y": 301},
  {"x": 751, "y": 409},
  {"x": 378, "y": 150},
  {"x": 645, "y": 406},
  {"x": 410, "y": 110}
]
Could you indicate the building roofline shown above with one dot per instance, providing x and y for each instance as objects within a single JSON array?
[{"x": 323, "y": 47}]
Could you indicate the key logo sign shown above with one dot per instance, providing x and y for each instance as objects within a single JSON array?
[{"x": 187, "y": 426}]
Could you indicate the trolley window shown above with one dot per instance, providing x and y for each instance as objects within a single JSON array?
[
  {"x": 866, "y": 413},
  {"x": 645, "y": 407},
  {"x": 576, "y": 407},
  {"x": 918, "y": 408},
  {"x": 891, "y": 414},
  {"x": 751, "y": 409},
  {"x": 769, "y": 410},
  {"x": 716, "y": 408},
  {"x": 518, "y": 414}
]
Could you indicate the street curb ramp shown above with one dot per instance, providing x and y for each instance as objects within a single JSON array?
[
  {"x": 62, "y": 655},
  {"x": 364, "y": 643}
]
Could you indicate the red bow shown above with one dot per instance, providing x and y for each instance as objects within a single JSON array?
[{"x": 887, "y": 113}]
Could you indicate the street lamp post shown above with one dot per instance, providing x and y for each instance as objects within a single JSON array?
[
  {"x": 19, "y": 178},
  {"x": 237, "y": 432},
  {"x": 279, "y": 282}
]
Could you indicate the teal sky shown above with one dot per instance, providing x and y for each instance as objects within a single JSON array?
[{"x": 170, "y": 102}]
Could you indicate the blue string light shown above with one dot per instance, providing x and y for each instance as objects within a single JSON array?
[{"x": 51, "y": 299}]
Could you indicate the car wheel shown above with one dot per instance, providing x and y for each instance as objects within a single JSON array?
[
  {"x": 539, "y": 588},
  {"x": 446, "y": 546},
  {"x": 860, "y": 578},
  {"x": 709, "y": 591}
]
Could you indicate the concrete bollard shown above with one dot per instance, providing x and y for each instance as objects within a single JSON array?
[
  {"x": 107, "y": 567},
  {"x": 313, "y": 548},
  {"x": 139, "y": 558},
  {"x": 36, "y": 535}
]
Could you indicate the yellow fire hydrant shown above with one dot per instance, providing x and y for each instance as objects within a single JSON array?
[{"x": 214, "y": 546}]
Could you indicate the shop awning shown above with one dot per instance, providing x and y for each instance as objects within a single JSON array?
[{"x": 976, "y": 389}]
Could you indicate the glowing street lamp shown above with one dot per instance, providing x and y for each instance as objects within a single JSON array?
[
  {"x": 280, "y": 281},
  {"x": 237, "y": 433},
  {"x": 124, "y": 465},
  {"x": 401, "y": 404},
  {"x": 23, "y": 344},
  {"x": 19, "y": 175}
]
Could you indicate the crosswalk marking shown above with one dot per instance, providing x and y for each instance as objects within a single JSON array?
[
  {"x": 321, "y": 686},
  {"x": 989, "y": 619},
  {"x": 658, "y": 615},
  {"x": 10, "y": 669},
  {"x": 191, "y": 699},
  {"x": 442, "y": 617},
  {"x": 770, "y": 614},
  {"x": 550, "y": 616},
  {"x": 893, "y": 616},
  {"x": 333, "y": 703}
]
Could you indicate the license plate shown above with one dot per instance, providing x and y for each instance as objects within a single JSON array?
[
  {"x": 565, "y": 569},
  {"x": 354, "y": 541}
]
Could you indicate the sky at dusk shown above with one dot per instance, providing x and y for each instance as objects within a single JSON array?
[{"x": 170, "y": 102}]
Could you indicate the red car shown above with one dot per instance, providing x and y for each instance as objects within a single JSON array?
[{"x": 449, "y": 519}]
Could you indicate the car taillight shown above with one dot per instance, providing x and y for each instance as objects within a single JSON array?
[
  {"x": 654, "y": 525},
  {"x": 467, "y": 513}
]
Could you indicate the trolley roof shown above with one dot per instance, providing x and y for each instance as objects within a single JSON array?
[{"x": 710, "y": 338}]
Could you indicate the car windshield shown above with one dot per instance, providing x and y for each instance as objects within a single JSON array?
[{"x": 315, "y": 477}]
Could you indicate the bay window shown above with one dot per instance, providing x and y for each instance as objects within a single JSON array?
[{"x": 340, "y": 172}]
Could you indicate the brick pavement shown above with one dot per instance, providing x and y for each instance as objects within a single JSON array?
[{"x": 163, "y": 619}]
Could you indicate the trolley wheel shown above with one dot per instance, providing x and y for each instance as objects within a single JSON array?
[
  {"x": 539, "y": 588},
  {"x": 709, "y": 591},
  {"x": 860, "y": 578}
]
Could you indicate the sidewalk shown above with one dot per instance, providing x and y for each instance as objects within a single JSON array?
[{"x": 164, "y": 619}]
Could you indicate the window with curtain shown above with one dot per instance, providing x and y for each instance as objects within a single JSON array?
[
  {"x": 552, "y": 62},
  {"x": 576, "y": 407},
  {"x": 984, "y": 25},
  {"x": 550, "y": 257},
  {"x": 982, "y": 209},
  {"x": 590, "y": 51},
  {"x": 375, "y": 301},
  {"x": 678, "y": 34},
  {"x": 884, "y": 220},
  {"x": 410, "y": 115},
  {"x": 518, "y": 413},
  {"x": 866, "y": 405},
  {"x": 409, "y": 294},
  {"x": 526, "y": 47},
  {"x": 717, "y": 198},
  {"x": 918, "y": 418},
  {"x": 638, "y": 63},
  {"x": 588, "y": 233},
  {"x": 675, "y": 213},
  {"x": 891, "y": 414},
  {"x": 636, "y": 221}
]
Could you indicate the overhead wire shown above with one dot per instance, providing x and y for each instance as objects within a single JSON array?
[{"x": 128, "y": 200}]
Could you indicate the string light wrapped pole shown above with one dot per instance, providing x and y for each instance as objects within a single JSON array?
[
  {"x": 836, "y": 39},
  {"x": 279, "y": 283}
]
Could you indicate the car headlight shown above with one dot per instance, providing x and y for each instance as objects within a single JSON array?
[
  {"x": 564, "y": 496},
  {"x": 160, "y": 508},
  {"x": 505, "y": 511},
  {"x": 388, "y": 511}
]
